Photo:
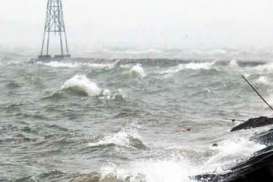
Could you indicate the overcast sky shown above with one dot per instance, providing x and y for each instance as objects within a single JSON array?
[{"x": 144, "y": 23}]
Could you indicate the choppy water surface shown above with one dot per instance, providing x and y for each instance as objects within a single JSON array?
[{"x": 146, "y": 120}]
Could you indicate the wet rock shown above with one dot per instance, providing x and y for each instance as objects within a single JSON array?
[
  {"x": 258, "y": 168},
  {"x": 253, "y": 123}
]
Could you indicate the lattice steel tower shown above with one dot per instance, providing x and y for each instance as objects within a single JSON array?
[{"x": 54, "y": 24}]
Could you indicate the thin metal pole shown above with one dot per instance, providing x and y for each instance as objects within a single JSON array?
[
  {"x": 45, "y": 27},
  {"x": 256, "y": 91},
  {"x": 60, "y": 29},
  {"x": 64, "y": 29}
]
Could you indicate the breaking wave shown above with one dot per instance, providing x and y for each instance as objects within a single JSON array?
[
  {"x": 265, "y": 67},
  {"x": 234, "y": 64},
  {"x": 137, "y": 70},
  {"x": 81, "y": 84},
  {"x": 124, "y": 138},
  {"x": 262, "y": 80}
]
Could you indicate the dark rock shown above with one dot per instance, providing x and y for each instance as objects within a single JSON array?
[
  {"x": 253, "y": 123},
  {"x": 256, "y": 169}
]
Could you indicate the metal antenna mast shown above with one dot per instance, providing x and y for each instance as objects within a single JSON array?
[{"x": 54, "y": 24}]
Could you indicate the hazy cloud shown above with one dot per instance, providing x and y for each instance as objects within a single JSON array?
[{"x": 144, "y": 23}]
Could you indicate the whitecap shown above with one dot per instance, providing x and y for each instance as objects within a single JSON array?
[
  {"x": 57, "y": 64},
  {"x": 80, "y": 83},
  {"x": 234, "y": 64},
  {"x": 124, "y": 138},
  {"x": 198, "y": 66},
  {"x": 262, "y": 80},
  {"x": 106, "y": 66},
  {"x": 264, "y": 68},
  {"x": 125, "y": 66},
  {"x": 138, "y": 71},
  {"x": 189, "y": 66}
]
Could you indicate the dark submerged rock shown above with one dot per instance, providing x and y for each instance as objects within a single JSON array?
[{"x": 253, "y": 123}]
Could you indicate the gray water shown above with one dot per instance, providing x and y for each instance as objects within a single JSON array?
[{"x": 127, "y": 120}]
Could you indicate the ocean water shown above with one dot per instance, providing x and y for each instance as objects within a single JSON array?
[{"x": 126, "y": 120}]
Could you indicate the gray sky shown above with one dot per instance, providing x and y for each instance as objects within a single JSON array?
[{"x": 144, "y": 23}]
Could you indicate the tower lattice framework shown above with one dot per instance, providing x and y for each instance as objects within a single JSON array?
[{"x": 54, "y": 24}]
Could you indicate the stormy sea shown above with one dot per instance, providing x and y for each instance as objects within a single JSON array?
[{"x": 128, "y": 119}]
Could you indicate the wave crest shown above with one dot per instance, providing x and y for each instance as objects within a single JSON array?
[
  {"x": 234, "y": 64},
  {"x": 82, "y": 85},
  {"x": 265, "y": 67},
  {"x": 262, "y": 80},
  {"x": 137, "y": 70},
  {"x": 122, "y": 139},
  {"x": 59, "y": 64},
  {"x": 188, "y": 66}
]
